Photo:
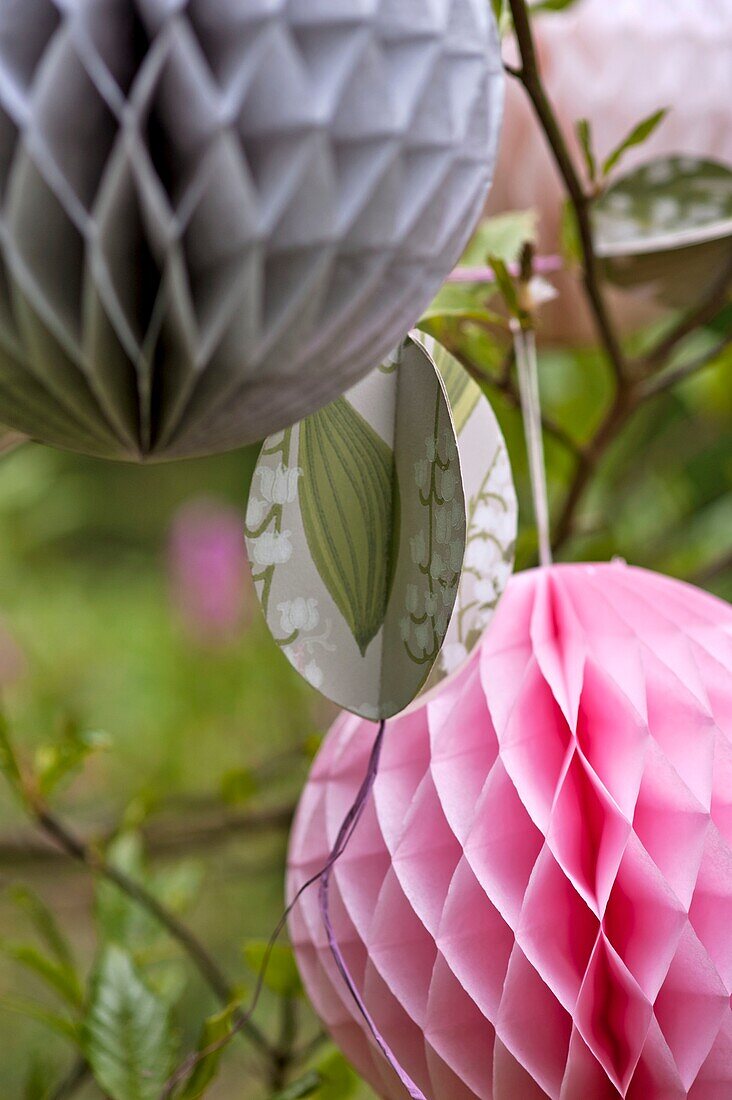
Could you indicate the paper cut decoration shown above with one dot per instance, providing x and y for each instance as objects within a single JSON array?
[
  {"x": 536, "y": 902},
  {"x": 667, "y": 226},
  {"x": 356, "y": 535},
  {"x": 492, "y": 511},
  {"x": 217, "y": 215}
]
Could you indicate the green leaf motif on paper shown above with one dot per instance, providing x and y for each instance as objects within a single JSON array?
[
  {"x": 462, "y": 392},
  {"x": 350, "y": 511},
  {"x": 667, "y": 197}
]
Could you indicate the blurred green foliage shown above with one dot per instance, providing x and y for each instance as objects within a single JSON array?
[{"x": 129, "y": 720}]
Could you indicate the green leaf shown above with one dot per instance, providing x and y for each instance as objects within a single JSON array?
[
  {"x": 433, "y": 320},
  {"x": 307, "y": 1085},
  {"x": 38, "y": 1081},
  {"x": 58, "y": 977},
  {"x": 552, "y": 5},
  {"x": 347, "y": 501},
  {"x": 214, "y": 1031},
  {"x": 502, "y": 15},
  {"x": 127, "y": 1035},
  {"x": 60, "y": 761},
  {"x": 570, "y": 235},
  {"x": 503, "y": 236},
  {"x": 282, "y": 975},
  {"x": 239, "y": 786},
  {"x": 337, "y": 1080},
  {"x": 506, "y": 284},
  {"x": 331, "y": 1079},
  {"x": 60, "y": 1025},
  {"x": 637, "y": 136},
  {"x": 8, "y": 761},
  {"x": 45, "y": 924},
  {"x": 584, "y": 136},
  {"x": 178, "y": 887},
  {"x": 120, "y": 919}
]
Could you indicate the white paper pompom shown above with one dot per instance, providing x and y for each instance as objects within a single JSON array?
[{"x": 219, "y": 214}]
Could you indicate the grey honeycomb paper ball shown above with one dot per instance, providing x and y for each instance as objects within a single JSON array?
[{"x": 217, "y": 215}]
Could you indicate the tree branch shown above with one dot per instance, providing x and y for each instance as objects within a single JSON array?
[
  {"x": 529, "y": 76},
  {"x": 161, "y": 839}
]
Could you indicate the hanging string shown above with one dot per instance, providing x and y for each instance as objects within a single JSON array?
[
  {"x": 528, "y": 377},
  {"x": 323, "y": 877},
  {"x": 345, "y": 834}
]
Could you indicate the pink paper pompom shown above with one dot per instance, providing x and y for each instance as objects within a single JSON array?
[{"x": 537, "y": 901}]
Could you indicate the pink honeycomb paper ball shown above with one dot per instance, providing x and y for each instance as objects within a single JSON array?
[
  {"x": 537, "y": 901},
  {"x": 616, "y": 63}
]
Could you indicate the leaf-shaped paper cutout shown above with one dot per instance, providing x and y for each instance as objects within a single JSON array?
[
  {"x": 666, "y": 225},
  {"x": 492, "y": 512},
  {"x": 462, "y": 392},
  {"x": 346, "y": 502},
  {"x": 356, "y": 534}
]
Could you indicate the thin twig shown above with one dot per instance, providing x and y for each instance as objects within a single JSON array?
[
  {"x": 310, "y": 1048},
  {"x": 77, "y": 1076},
  {"x": 529, "y": 76},
  {"x": 662, "y": 383},
  {"x": 283, "y": 1055},
  {"x": 505, "y": 385},
  {"x": 713, "y": 569},
  {"x": 162, "y": 838},
  {"x": 703, "y": 313}
]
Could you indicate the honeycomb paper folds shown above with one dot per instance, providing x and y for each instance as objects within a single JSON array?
[
  {"x": 217, "y": 215},
  {"x": 537, "y": 901}
]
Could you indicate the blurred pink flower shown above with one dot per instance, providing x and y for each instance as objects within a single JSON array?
[
  {"x": 209, "y": 574},
  {"x": 616, "y": 63}
]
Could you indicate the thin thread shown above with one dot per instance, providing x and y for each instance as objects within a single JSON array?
[
  {"x": 240, "y": 1019},
  {"x": 346, "y": 832},
  {"x": 528, "y": 377}
]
